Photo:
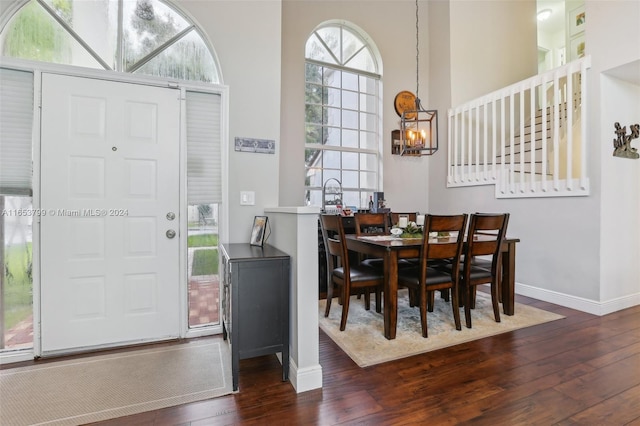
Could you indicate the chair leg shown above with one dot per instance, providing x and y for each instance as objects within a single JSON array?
[
  {"x": 456, "y": 309},
  {"x": 412, "y": 298},
  {"x": 345, "y": 306},
  {"x": 367, "y": 298},
  {"x": 423, "y": 310},
  {"x": 444, "y": 294},
  {"x": 467, "y": 304},
  {"x": 378, "y": 300},
  {"x": 499, "y": 285},
  {"x": 431, "y": 300},
  {"x": 494, "y": 301},
  {"x": 329, "y": 299},
  {"x": 473, "y": 297}
]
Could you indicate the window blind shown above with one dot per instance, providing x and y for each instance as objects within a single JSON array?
[
  {"x": 16, "y": 121},
  {"x": 204, "y": 162}
]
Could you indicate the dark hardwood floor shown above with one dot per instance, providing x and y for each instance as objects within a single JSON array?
[{"x": 581, "y": 370}]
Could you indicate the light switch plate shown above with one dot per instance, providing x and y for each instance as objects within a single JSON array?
[{"x": 247, "y": 198}]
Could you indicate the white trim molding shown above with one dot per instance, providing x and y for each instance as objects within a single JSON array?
[{"x": 590, "y": 306}]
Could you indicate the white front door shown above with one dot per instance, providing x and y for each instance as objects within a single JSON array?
[{"x": 109, "y": 184}]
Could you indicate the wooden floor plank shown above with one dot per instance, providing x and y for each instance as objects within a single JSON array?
[
  {"x": 620, "y": 409},
  {"x": 604, "y": 383}
]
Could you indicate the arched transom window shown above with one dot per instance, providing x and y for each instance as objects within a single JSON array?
[
  {"x": 136, "y": 36},
  {"x": 342, "y": 117}
]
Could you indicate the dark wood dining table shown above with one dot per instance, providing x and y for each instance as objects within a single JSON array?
[{"x": 392, "y": 248}]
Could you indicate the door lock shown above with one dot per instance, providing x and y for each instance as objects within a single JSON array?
[{"x": 171, "y": 215}]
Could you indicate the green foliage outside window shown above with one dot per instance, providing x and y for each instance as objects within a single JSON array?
[
  {"x": 35, "y": 35},
  {"x": 18, "y": 284}
]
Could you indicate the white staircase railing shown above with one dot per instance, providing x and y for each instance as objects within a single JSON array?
[{"x": 528, "y": 139}]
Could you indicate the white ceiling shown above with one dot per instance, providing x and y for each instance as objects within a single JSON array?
[{"x": 556, "y": 21}]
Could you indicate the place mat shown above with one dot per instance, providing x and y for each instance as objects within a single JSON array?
[
  {"x": 101, "y": 387},
  {"x": 363, "y": 339},
  {"x": 378, "y": 237}
]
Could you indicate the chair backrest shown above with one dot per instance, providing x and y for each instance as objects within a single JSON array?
[
  {"x": 486, "y": 232},
  {"x": 446, "y": 247},
  {"x": 333, "y": 237},
  {"x": 395, "y": 217},
  {"x": 371, "y": 223}
]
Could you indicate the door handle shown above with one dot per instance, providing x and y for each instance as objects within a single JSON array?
[{"x": 170, "y": 233}]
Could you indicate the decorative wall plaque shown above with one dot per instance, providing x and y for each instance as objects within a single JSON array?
[{"x": 263, "y": 146}]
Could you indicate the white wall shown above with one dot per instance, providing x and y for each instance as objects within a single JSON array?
[{"x": 493, "y": 44}]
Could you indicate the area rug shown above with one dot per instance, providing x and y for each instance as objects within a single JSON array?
[
  {"x": 101, "y": 387},
  {"x": 364, "y": 342}
]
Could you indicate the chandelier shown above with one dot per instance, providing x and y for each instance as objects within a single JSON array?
[{"x": 418, "y": 133}]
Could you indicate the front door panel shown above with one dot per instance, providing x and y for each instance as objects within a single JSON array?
[{"x": 109, "y": 176}]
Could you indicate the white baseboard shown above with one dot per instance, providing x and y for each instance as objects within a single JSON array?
[
  {"x": 305, "y": 379},
  {"x": 581, "y": 304}
]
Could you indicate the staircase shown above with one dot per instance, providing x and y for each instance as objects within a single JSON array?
[{"x": 525, "y": 139}]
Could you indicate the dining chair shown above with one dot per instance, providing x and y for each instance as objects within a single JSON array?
[
  {"x": 342, "y": 273},
  {"x": 486, "y": 232},
  {"x": 425, "y": 279},
  {"x": 394, "y": 217},
  {"x": 372, "y": 224}
]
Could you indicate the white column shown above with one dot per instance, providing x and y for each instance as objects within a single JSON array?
[{"x": 294, "y": 230}]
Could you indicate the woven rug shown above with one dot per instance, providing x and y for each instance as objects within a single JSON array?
[
  {"x": 364, "y": 342},
  {"x": 101, "y": 387}
]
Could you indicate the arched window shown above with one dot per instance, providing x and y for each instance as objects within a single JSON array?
[
  {"x": 136, "y": 36},
  {"x": 342, "y": 116}
]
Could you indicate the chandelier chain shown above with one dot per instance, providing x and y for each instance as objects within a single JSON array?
[{"x": 417, "y": 58}]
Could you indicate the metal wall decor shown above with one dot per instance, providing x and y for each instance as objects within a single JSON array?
[
  {"x": 622, "y": 144},
  {"x": 263, "y": 146}
]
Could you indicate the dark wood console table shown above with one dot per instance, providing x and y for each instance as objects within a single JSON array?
[{"x": 255, "y": 303}]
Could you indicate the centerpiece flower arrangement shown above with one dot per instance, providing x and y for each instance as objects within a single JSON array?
[{"x": 410, "y": 231}]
